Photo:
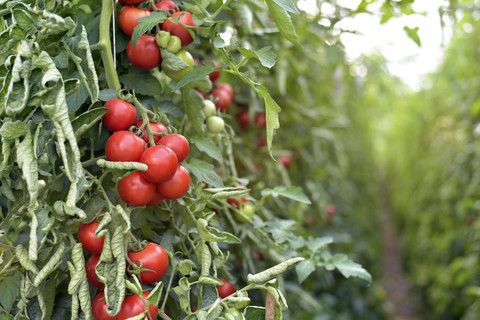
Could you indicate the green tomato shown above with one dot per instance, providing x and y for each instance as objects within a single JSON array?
[
  {"x": 209, "y": 108},
  {"x": 188, "y": 59},
  {"x": 247, "y": 211},
  {"x": 215, "y": 124}
]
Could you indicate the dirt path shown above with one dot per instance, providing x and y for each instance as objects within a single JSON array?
[{"x": 394, "y": 281}]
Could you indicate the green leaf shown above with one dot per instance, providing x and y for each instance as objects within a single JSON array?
[
  {"x": 245, "y": 16},
  {"x": 26, "y": 160},
  {"x": 10, "y": 290},
  {"x": 219, "y": 43},
  {"x": 107, "y": 94},
  {"x": 283, "y": 21},
  {"x": 86, "y": 120},
  {"x": 199, "y": 72},
  {"x": 349, "y": 268},
  {"x": 294, "y": 193},
  {"x": 413, "y": 34},
  {"x": 208, "y": 146},
  {"x": 266, "y": 57},
  {"x": 314, "y": 244},
  {"x": 147, "y": 24},
  {"x": 304, "y": 269},
  {"x": 141, "y": 81},
  {"x": 254, "y": 313},
  {"x": 171, "y": 63},
  {"x": 272, "y": 109},
  {"x": 281, "y": 230},
  {"x": 13, "y": 130},
  {"x": 192, "y": 103},
  {"x": 287, "y": 5},
  {"x": 204, "y": 171}
]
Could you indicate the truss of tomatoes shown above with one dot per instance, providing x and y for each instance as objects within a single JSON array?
[{"x": 165, "y": 177}]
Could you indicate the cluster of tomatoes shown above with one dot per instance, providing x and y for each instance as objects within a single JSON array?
[
  {"x": 149, "y": 264},
  {"x": 165, "y": 177}
]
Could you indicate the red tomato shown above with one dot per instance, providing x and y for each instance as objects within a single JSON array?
[
  {"x": 223, "y": 99},
  {"x": 215, "y": 74},
  {"x": 99, "y": 308},
  {"x": 153, "y": 258},
  {"x": 178, "y": 143},
  {"x": 285, "y": 160},
  {"x": 86, "y": 236},
  {"x": 203, "y": 94},
  {"x": 124, "y": 146},
  {"x": 331, "y": 210},
  {"x": 156, "y": 127},
  {"x": 235, "y": 202},
  {"x": 133, "y": 305},
  {"x": 261, "y": 141},
  {"x": 257, "y": 255},
  {"x": 225, "y": 87},
  {"x": 177, "y": 29},
  {"x": 146, "y": 54},
  {"x": 130, "y": 2},
  {"x": 161, "y": 161},
  {"x": 176, "y": 186},
  {"x": 243, "y": 119},
  {"x": 166, "y": 5},
  {"x": 91, "y": 274},
  {"x": 261, "y": 120},
  {"x": 127, "y": 19},
  {"x": 136, "y": 190},
  {"x": 225, "y": 289},
  {"x": 157, "y": 198},
  {"x": 120, "y": 115}
]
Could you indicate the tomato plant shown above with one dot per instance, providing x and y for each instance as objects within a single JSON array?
[
  {"x": 91, "y": 273},
  {"x": 178, "y": 143},
  {"x": 146, "y": 54},
  {"x": 86, "y": 236},
  {"x": 215, "y": 124},
  {"x": 99, "y": 308},
  {"x": 157, "y": 127},
  {"x": 120, "y": 115},
  {"x": 177, "y": 29},
  {"x": 161, "y": 161},
  {"x": 136, "y": 190},
  {"x": 124, "y": 146},
  {"x": 166, "y": 5},
  {"x": 225, "y": 289},
  {"x": 127, "y": 18},
  {"x": 176, "y": 186},
  {"x": 186, "y": 57},
  {"x": 153, "y": 258}
]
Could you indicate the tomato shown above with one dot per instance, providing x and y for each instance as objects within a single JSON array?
[
  {"x": 257, "y": 255},
  {"x": 130, "y": 2},
  {"x": 215, "y": 74},
  {"x": 215, "y": 124},
  {"x": 225, "y": 289},
  {"x": 247, "y": 210},
  {"x": 124, "y": 146},
  {"x": 186, "y": 57},
  {"x": 153, "y": 258},
  {"x": 99, "y": 308},
  {"x": 225, "y": 87},
  {"x": 146, "y": 54},
  {"x": 208, "y": 108},
  {"x": 178, "y": 143},
  {"x": 161, "y": 161},
  {"x": 176, "y": 186},
  {"x": 331, "y": 210},
  {"x": 285, "y": 160},
  {"x": 156, "y": 127},
  {"x": 157, "y": 198},
  {"x": 86, "y": 236},
  {"x": 136, "y": 190},
  {"x": 166, "y": 5},
  {"x": 223, "y": 99},
  {"x": 120, "y": 115},
  {"x": 234, "y": 201},
  {"x": 261, "y": 120},
  {"x": 243, "y": 119},
  {"x": 203, "y": 94},
  {"x": 91, "y": 273},
  {"x": 127, "y": 19},
  {"x": 177, "y": 29},
  {"x": 133, "y": 306}
]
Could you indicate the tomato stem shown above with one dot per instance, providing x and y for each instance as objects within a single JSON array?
[
  {"x": 216, "y": 13},
  {"x": 106, "y": 46},
  {"x": 146, "y": 121}
]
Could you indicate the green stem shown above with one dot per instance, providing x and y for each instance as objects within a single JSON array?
[
  {"x": 216, "y": 13},
  {"x": 106, "y": 46},
  {"x": 202, "y": 8},
  {"x": 146, "y": 121}
]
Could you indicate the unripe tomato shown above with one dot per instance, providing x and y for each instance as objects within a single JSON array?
[
  {"x": 223, "y": 99},
  {"x": 153, "y": 258},
  {"x": 247, "y": 210},
  {"x": 146, "y": 54},
  {"x": 133, "y": 306},
  {"x": 166, "y": 5},
  {"x": 225, "y": 289},
  {"x": 261, "y": 120},
  {"x": 86, "y": 236},
  {"x": 161, "y": 161},
  {"x": 243, "y": 119},
  {"x": 208, "y": 108},
  {"x": 127, "y": 19},
  {"x": 176, "y": 186},
  {"x": 124, "y": 146},
  {"x": 177, "y": 29},
  {"x": 157, "y": 198},
  {"x": 178, "y": 143},
  {"x": 285, "y": 160},
  {"x": 215, "y": 124},
  {"x": 215, "y": 74},
  {"x": 136, "y": 190},
  {"x": 99, "y": 308},
  {"x": 155, "y": 126},
  {"x": 91, "y": 273},
  {"x": 186, "y": 57},
  {"x": 120, "y": 115}
]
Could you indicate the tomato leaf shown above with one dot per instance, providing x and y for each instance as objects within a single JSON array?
[
  {"x": 86, "y": 120},
  {"x": 266, "y": 57},
  {"x": 283, "y": 21},
  {"x": 171, "y": 63},
  {"x": 348, "y": 268},
  {"x": 141, "y": 81},
  {"x": 11, "y": 289},
  {"x": 254, "y": 313},
  {"x": 294, "y": 193},
  {"x": 13, "y": 130},
  {"x": 107, "y": 94},
  {"x": 304, "y": 269},
  {"x": 147, "y": 24},
  {"x": 208, "y": 146},
  {"x": 413, "y": 34},
  {"x": 272, "y": 109},
  {"x": 192, "y": 104},
  {"x": 204, "y": 171},
  {"x": 199, "y": 72},
  {"x": 287, "y": 5}
]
